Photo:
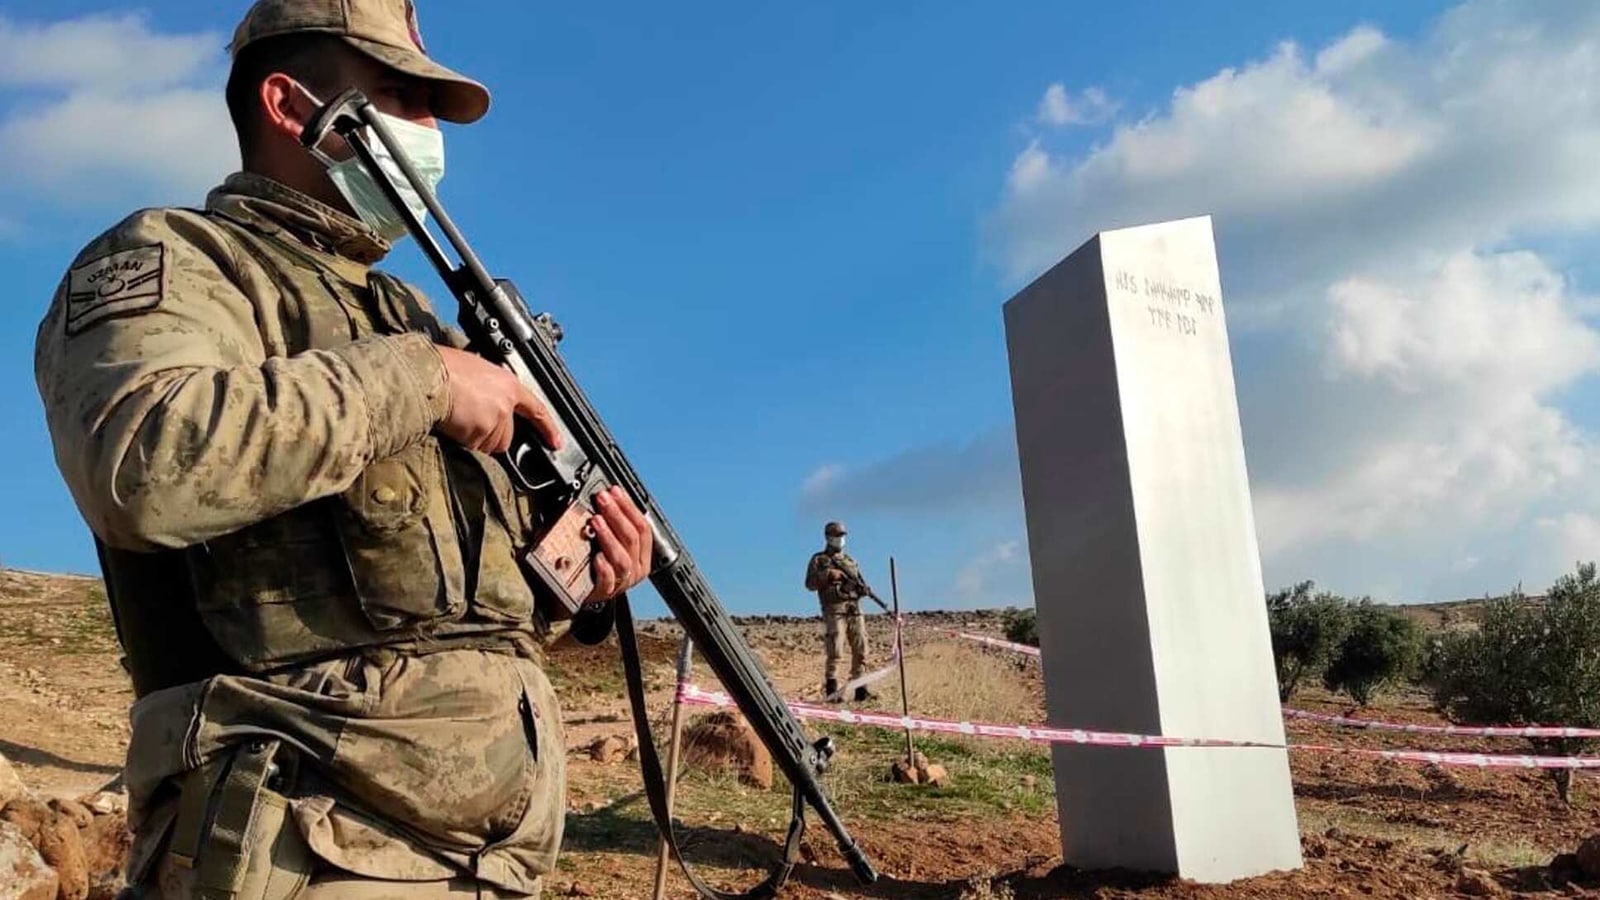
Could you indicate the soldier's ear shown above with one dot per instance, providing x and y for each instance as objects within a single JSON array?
[{"x": 284, "y": 105}]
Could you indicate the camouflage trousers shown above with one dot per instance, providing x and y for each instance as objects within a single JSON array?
[
  {"x": 378, "y": 775},
  {"x": 838, "y": 621}
]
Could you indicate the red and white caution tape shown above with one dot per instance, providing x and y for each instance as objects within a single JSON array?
[
  {"x": 693, "y": 695},
  {"x": 864, "y": 680},
  {"x": 995, "y": 642},
  {"x": 1470, "y": 760},
  {"x": 1523, "y": 731}
]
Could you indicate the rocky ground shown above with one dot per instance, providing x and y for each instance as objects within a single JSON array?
[{"x": 985, "y": 830}]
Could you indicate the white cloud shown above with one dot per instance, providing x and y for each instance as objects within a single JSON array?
[
  {"x": 1091, "y": 107},
  {"x": 104, "y": 112},
  {"x": 1369, "y": 153},
  {"x": 818, "y": 481},
  {"x": 1570, "y": 538},
  {"x": 109, "y": 53},
  {"x": 1378, "y": 206},
  {"x": 976, "y": 581},
  {"x": 1482, "y": 324}
]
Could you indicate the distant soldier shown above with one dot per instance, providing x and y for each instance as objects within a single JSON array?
[{"x": 837, "y": 580}]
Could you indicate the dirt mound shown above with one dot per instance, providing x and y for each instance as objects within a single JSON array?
[{"x": 724, "y": 741}]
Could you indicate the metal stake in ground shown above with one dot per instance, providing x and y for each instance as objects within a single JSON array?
[
  {"x": 685, "y": 660},
  {"x": 900, "y": 655}
]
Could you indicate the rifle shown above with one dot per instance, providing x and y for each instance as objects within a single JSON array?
[
  {"x": 868, "y": 593},
  {"x": 860, "y": 584},
  {"x": 499, "y": 325}
]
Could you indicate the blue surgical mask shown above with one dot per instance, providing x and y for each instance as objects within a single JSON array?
[{"x": 422, "y": 145}]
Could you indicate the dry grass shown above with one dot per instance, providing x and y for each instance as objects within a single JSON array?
[
  {"x": 1494, "y": 855},
  {"x": 957, "y": 681}
]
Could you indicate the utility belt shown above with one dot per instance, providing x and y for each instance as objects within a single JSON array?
[
  {"x": 231, "y": 836},
  {"x": 841, "y": 606}
]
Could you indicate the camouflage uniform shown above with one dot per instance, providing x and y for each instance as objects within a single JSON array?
[
  {"x": 841, "y": 610},
  {"x": 333, "y": 649}
]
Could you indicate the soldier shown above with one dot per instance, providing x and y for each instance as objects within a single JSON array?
[
  {"x": 840, "y": 588},
  {"x": 310, "y": 552}
]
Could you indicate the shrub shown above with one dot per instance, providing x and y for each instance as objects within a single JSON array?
[
  {"x": 1380, "y": 646},
  {"x": 1529, "y": 664},
  {"x": 1306, "y": 630},
  {"x": 1022, "y": 627}
]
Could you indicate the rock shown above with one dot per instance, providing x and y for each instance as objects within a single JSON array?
[
  {"x": 62, "y": 849},
  {"x": 935, "y": 775},
  {"x": 11, "y": 786},
  {"x": 107, "y": 803},
  {"x": 106, "y": 843},
  {"x": 1588, "y": 857},
  {"x": 79, "y": 814},
  {"x": 724, "y": 740},
  {"x": 912, "y": 771},
  {"x": 23, "y": 873},
  {"x": 1475, "y": 883},
  {"x": 609, "y": 750},
  {"x": 29, "y": 817}
]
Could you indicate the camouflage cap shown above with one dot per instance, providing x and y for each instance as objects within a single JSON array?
[
  {"x": 385, "y": 30},
  {"x": 833, "y": 528}
]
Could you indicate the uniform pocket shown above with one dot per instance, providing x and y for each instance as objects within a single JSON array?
[
  {"x": 400, "y": 541},
  {"x": 504, "y": 593},
  {"x": 539, "y": 832}
]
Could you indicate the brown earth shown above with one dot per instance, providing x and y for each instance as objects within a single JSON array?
[{"x": 1370, "y": 827}]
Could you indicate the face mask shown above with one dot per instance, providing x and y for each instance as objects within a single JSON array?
[
  {"x": 836, "y": 542},
  {"x": 424, "y": 146}
]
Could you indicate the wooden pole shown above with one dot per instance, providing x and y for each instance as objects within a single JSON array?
[
  {"x": 685, "y": 659},
  {"x": 900, "y": 656}
]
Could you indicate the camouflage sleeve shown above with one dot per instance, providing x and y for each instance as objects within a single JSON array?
[
  {"x": 171, "y": 425},
  {"x": 814, "y": 573}
]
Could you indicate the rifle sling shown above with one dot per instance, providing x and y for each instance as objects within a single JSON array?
[{"x": 655, "y": 782}]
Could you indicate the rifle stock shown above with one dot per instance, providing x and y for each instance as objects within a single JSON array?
[{"x": 500, "y": 326}]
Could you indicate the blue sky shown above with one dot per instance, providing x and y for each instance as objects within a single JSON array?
[{"x": 779, "y": 238}]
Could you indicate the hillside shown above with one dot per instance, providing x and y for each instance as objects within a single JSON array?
[{"x": 1372, "y": 827}]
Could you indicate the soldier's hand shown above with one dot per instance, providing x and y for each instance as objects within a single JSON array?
[
  {"x": 485, "y": 400},
  {"x": 626, "y": 544}
]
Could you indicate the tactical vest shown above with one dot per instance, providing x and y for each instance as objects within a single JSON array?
[
  {"x": 846, "y": 591},
  {"x": 417, "y": 553}
]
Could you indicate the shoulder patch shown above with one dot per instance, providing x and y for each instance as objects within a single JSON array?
[{"x": 120, "y": 283}]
